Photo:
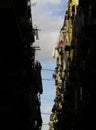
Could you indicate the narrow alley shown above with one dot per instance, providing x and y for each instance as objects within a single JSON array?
[{"x": 74, "y": 76}]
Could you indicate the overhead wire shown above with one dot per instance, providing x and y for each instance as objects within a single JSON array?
[
  {"x": 48, "y": 79},
  {"x": 47, "y": 69},
  {"x": 47, "y": 99},
  {"x": 46, "y": 113},
  {"x": 46, "y": 124}
]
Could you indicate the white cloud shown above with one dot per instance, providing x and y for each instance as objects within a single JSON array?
[
  {"x": 50, "y": 25},
  {"x": 50, "y": 28},
  {"x": 51, "y": 1},
  {"x": 46, "y": 44}
]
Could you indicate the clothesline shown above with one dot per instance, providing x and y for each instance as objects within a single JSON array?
[
  {"x": 46, "y": 113},
  {"x": 47, "y": 99},
  {"x": 47, "y": 69},
  {"x": 48, "y": 79}
]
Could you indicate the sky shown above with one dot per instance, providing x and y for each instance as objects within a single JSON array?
[{"x": 48, "y": 16}]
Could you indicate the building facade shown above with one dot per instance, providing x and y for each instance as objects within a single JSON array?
[
  {"x": 21, "y": 81},
  {"x": 75, "y": 72}
]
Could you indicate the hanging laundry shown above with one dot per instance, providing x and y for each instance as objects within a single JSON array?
[
  {"x": 61, "y": 44},
  {"x": 37, "y": 78},
  {"x": 55, "y": 53},
  {"x": 36, "y": 34},
  {"x": 61, "y": 36}
]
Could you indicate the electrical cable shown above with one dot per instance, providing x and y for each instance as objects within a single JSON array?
[
  {"x": 46, "y": 113},
  {"x": 46, "y": 124},
  {"x": 47, "y": 69},
  {"x": 48, "y": 79},
  {"x": 47, "y": 99}
]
